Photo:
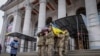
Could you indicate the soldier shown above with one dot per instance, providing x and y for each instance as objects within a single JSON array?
[
  {"x": 61, "y": 38},
  {"x": 66, "y": 41},
  {"x": 49, "y": 41},
  {"x": 41, "y": 44}
]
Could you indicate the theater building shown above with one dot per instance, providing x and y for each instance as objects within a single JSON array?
[{"x": 30, "y": 16}]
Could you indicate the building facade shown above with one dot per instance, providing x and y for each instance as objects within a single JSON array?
[{"x": 30, "y": 16}]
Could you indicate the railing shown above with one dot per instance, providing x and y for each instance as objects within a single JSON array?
[
  {"x": 78, "y": 44},
  {"x": 84, "y": 43}
]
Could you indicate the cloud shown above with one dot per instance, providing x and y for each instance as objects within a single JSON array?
[{"x": 2, "y": 2}]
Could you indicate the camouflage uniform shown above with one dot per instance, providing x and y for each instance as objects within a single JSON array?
[
  {"x": 66, "y": 42},
  {"x": 41, "y": 46},
  {"x": 49, "y": 43},
  {"x": 61, "y": 38}
]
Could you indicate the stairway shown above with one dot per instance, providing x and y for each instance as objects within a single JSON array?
[
  {"x": 22, "y": 54},
  {"x": 70, "y": 53},
  {"x": 84, "y": 53}
]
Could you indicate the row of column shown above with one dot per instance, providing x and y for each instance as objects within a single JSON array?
[{"x": 92, "y": 16}]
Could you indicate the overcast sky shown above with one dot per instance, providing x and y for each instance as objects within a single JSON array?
[{"x": 1, "y": 13}]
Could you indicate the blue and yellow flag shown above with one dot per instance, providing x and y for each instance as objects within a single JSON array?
[{"x": 56, "y": 30}]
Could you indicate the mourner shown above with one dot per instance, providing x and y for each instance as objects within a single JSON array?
[
  {"x": 14, "y": 47},
  {"x": 61, "y": 38},
  {"x": 41, "y": 44},
  {"x": 49, "y": 41},
  {"x": 66, "y": 33}
]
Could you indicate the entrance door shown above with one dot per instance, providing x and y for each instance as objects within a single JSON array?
[
  {"x": 83, "y": 39},
  {"x": 77, "y": 29}
]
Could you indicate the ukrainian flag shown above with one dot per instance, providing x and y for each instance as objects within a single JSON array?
[{"x": 56, "y": 30}]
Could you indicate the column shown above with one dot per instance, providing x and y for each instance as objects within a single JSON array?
[
  {"x": 42, "y": 15},
  {"x": 27, "y": 22},
  {"x": 30, "y": 34},
  {"x": 61, "y": 8},
  {"x": 31, "y": 29},
  {"x": 3, "y": 32},
  {"x": 93, "y": 24},
  {"x": 72, "y": 44},
  {"x": 17, "y": 22},
  {"x": 29, "y": 46}
]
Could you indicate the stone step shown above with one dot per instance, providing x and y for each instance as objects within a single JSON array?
[
  {"x": 19, "y": 55},
  {"x": 84, "y": 53},
  {"x": 22, "y": 54},
  {"x": 70, "y": 53}
]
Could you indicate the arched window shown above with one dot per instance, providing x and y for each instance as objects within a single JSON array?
[
  {"x": 83, "y": 37},
  {"x": 98, "y": 7},
  {"x": 48, "y": 21},
  {"x": 10, "y": 24},
  {"x": 81, "y": 11}
]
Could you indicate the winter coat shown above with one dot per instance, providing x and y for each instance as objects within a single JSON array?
[{"x": 14, "y": 47}]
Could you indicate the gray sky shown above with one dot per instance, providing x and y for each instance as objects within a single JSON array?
[{"x": 1, "y": 13}]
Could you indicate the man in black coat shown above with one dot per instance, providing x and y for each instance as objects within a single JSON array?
[{"x": 0, "y": 48}]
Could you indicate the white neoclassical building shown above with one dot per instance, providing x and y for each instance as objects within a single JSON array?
[{"x": 30, "y": 16}]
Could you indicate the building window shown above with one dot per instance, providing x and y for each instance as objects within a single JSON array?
[
  {"x": 81, "y": 11},
  {"x": 9, "y": 26}
]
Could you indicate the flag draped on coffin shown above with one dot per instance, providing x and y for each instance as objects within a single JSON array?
[{"x": 56, "y": 30}]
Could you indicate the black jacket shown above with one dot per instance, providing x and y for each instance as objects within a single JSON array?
[{"x": 0, "y": 47}]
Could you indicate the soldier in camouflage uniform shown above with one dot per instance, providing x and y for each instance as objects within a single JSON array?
[
  {"x": 61, "y": 38},
  {"x": 66, "y": 33},
  {"x": 49, "y": 42},
  {"x": 41, "y": 44}
]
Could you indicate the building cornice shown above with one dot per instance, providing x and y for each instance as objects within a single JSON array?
[{"x": 9, "y": 4}]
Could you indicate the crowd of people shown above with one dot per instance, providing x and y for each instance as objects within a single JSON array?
[{"x": 49, "y": 44}]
